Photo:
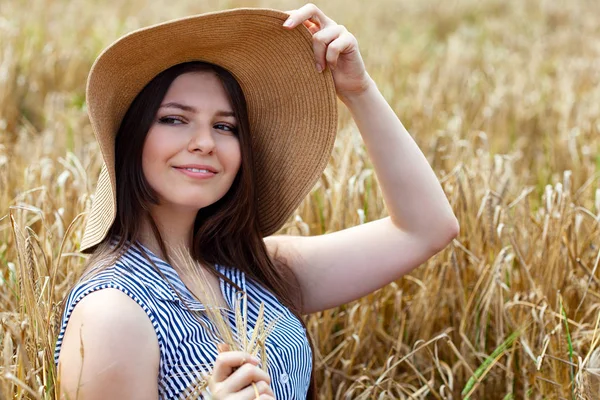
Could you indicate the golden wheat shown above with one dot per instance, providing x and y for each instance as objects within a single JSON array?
[{"x": 502, "y": 96}]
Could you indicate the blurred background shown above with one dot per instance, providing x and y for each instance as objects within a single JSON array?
[{"x": 502, "y": 96}]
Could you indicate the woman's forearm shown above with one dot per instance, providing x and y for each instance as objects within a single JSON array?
[{"x": 412, "y": 193}]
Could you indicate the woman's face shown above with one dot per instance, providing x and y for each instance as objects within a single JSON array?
[{"x": 191, "y": 154}]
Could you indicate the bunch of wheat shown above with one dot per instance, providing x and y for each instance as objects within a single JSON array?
[{"x": 228, "y": 337}]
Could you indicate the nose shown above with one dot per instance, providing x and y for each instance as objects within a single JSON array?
[{"x": 202, "y": 140}]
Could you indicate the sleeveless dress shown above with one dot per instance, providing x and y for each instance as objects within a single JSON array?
[{"x": 186, "y": 346}]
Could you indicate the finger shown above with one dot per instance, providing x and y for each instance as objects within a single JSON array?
[
  {"x": 311, "y": 25},
  {"x": 227, "y": 361},
  {"x": 321, "y": 39},
  {"x": 308, "y": 11},
  {"x": 262, "y": 388},
  {"x": 244, "y": 376},
  {"x": 312, "y": 28},
  {"x": 222, "y": 347},
  {"x": 338, "y": 46},
  {"x": 248, "y": 393}
]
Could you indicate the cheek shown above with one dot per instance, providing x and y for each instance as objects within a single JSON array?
[
  {"x": 232, "y": 154},
  {"x": 159, "y": 145}
]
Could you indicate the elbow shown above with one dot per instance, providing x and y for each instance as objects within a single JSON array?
[{"x": 446, "y": 233}]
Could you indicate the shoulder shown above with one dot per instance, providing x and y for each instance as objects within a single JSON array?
[
  {"x": 116, "y": 339},
  {"x": 113, "y": 311},
  {"x": 107, "y": 288},
  {"x": 283, "y": 251},
  {"x": 112, "y": 277},
  {"x": 131, "y": 274}
]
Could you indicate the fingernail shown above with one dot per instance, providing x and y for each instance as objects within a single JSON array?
[
  {"x": 255, "y": 359},
  {"x": 319, "y": 68},
  {"x": 288, "y": 22}
]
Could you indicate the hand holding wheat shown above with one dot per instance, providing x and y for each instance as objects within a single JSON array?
[{"x": 236, "y": 375}]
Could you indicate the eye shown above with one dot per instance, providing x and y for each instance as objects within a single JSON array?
[
  {"x": 227, "y": 128},
  {"x": 170, "y": 121}
]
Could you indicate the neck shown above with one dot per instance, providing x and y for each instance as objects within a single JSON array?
[{"x": 176, "y": 228}]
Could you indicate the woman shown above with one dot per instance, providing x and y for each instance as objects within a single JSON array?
[{"x": 213, "y": 128}]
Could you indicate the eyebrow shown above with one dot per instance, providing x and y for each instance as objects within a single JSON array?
[{"x": 221, "y": 113}]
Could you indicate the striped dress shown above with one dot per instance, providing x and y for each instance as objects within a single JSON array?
[{"x": 187, "y": 346}]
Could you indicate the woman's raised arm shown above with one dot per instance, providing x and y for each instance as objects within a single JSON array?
[{"x": 336, "y": 268}]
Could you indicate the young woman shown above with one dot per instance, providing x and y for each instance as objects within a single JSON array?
[{"x": 213, "y": 128}]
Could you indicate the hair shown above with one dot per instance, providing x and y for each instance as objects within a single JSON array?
[{"x": 226, "y": 232}]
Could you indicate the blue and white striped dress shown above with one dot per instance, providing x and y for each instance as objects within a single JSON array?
[{"x": 185, "y": 344}]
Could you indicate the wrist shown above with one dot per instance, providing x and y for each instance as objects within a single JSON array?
[{"x": 355, "y": 96}]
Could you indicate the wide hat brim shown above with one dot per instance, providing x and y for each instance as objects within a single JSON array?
[{"x": 292, "y": 108}]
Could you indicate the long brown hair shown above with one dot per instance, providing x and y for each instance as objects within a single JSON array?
[{"x": 226, "y": 232}]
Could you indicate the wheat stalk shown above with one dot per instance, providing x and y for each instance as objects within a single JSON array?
[{"x": 231, "y": 339}]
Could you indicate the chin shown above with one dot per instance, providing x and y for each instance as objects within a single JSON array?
[
  {"x": 196, "y": 203},
  {"x": 190, "y": 200}
]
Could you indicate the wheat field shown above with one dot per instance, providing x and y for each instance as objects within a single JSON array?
[{"x": 503, "y": 96}]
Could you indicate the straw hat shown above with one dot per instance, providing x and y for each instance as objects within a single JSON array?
[{"x": 292, "y": 108}]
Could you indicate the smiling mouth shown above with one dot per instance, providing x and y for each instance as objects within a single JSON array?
[
  {"x": 198, "y": 170},
  {"x": 206, "y": 168},
  {"x": 196, "y": 173}
]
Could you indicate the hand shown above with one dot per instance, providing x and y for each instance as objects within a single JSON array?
[
  {"x": 334, "y": 47},
  {"x": 233, "y": 376}
]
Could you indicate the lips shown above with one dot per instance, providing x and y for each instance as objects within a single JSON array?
[
  {"x": 198, "y": 168},
  {"x": 196, "y": 173}
]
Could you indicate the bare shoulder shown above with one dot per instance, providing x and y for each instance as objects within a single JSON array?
[
  {"x": 281, "y": 247},
  {"x": 283, "y": 251},
  {"x": 109, "y": 349}
]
